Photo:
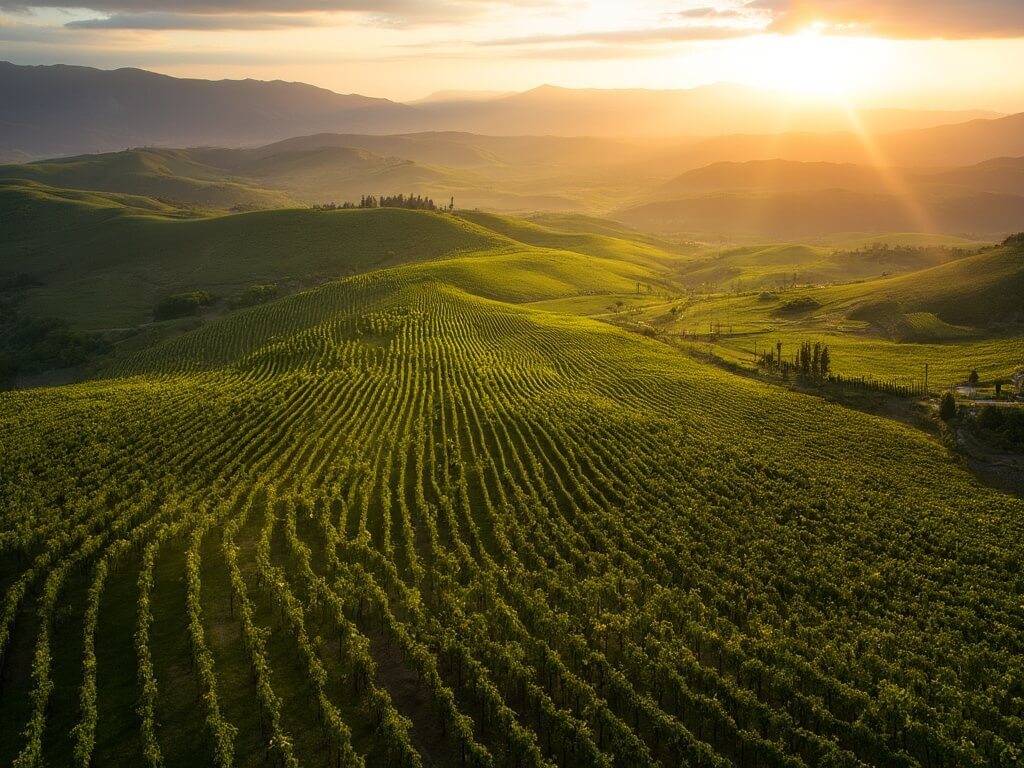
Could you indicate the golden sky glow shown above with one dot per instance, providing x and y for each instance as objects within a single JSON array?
[{"x": 916, "y": 53}]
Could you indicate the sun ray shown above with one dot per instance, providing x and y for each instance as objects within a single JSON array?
[{"x": 890, "y": 176}]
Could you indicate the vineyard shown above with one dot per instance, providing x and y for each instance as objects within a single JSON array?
[{"x": 399, "y": 521}]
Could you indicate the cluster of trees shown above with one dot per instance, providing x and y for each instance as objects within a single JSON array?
[
  {"x": 812, "y": 361},
  {"x": 35, "y": 344},
  {"x": 255, "y": 294},
  {"x": 799, "y": 304},
  {"x": 411, "y": 202},
  {"x": 1015, "y": 240},
  {"x": 1002, "y": 426},
  {"x": 182, "y": 305}
]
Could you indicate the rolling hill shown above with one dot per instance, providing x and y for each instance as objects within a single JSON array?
[
  {"x": 171, "y": 175},
  {"x": 977, "y": 290},
  {"x": 957, "y": 144},
  {"x": 1001, "y": 175},
  {"x": 398, "y": 519},
  {"x": 507, "y": 173},
  {"x": 105, "y": 261},
  {"x": 816, "y": 213}
]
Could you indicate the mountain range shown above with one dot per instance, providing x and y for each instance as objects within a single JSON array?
[{"x": 60, "y": 110}]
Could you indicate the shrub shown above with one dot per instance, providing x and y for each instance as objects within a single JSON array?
[
  {"x": 36, "y": 344},
  {"x": 181, "y": 305},
  {"x": 990, "y": 418},
  {"x": 799, "y": 304},
  {"x": 947, "y": 406}
]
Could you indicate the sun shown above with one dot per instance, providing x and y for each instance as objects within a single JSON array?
[{"x": 812, "y": 64}]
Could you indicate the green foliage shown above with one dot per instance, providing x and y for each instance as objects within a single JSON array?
[
  {"x": 407, "y": 518},
  {"x": 31, "y": 345},
  {"x": 1004, "y": 426},
  {"x": 392, "y": 478},
  {"x": 799, "y": 304},
  {"x": 947, "y": 406},
  {"x": 135, "y": 256},
  {"x": 181, "y": 305},
  {"x": 411, "y": 202}
]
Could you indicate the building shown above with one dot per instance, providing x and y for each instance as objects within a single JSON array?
[{"x": 1018, "y": 381}]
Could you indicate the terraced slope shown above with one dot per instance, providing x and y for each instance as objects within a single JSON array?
[{"x": 390, "y": 522}]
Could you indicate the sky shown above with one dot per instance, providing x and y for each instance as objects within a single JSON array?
[{"x": 941, "y": 54}]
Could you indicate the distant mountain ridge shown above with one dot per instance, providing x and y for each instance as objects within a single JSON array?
[
  {"x": 49, "y": 111},
  {"x": 1000, "y": 175},
  {"x": 61, "y": 110}
]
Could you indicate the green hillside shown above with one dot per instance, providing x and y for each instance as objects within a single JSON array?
[
  {"x": 621, "y": 246},
  {"x": 781, "y": 265},
  {"x": 171, "y": 175},
  {"x": 395, "y": 521},
  {"x": 319, "y": 169},
  {"x": 854, "y": 240},
  {"x": 103, "y": 261},
  {"x": 956, "y": 317},
  {"x": 976, "y": 290}
]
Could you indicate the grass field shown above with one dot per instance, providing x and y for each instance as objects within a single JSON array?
[
  {"x": 956, "y": 317},
  {"x": 436, "y": 511}
]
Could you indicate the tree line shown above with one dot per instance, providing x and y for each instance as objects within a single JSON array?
[
  {"x": 812, "y": 362},
  {"x": 410, "y": 202}
]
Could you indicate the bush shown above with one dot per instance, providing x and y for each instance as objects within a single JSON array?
[
  {"x": 37, "y": 344},
  {"x": 799, "y": 304},
  {"x": 181, "y": 305},
  {"x": 990, "y": 418},
  {"x": 1017, "y": 239},
  {"x": 947, "y": 406}
]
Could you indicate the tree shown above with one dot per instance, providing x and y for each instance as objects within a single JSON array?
[
  {"x": 947, "y": 406},
  {"x": 181, "y": 305},
  {"x": 973, "y": 378}
]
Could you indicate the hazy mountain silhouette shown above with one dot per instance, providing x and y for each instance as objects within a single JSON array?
[
  {"x": 49, "y": 111},
  {"x": 1001, "y": 175},
  {"x": 62, "y": 110},
  {"x": 967, "y": 143}
]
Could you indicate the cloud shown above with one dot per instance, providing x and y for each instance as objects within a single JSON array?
[
  {"x": 390, "y": 10},
  {"x": 711, "y": 13},
  {"x": 643, "y": 36},
  {"x": 180, "y": 21},
  {"x": 12, "y": 32},
  {"x": 906, "y": 19}
]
